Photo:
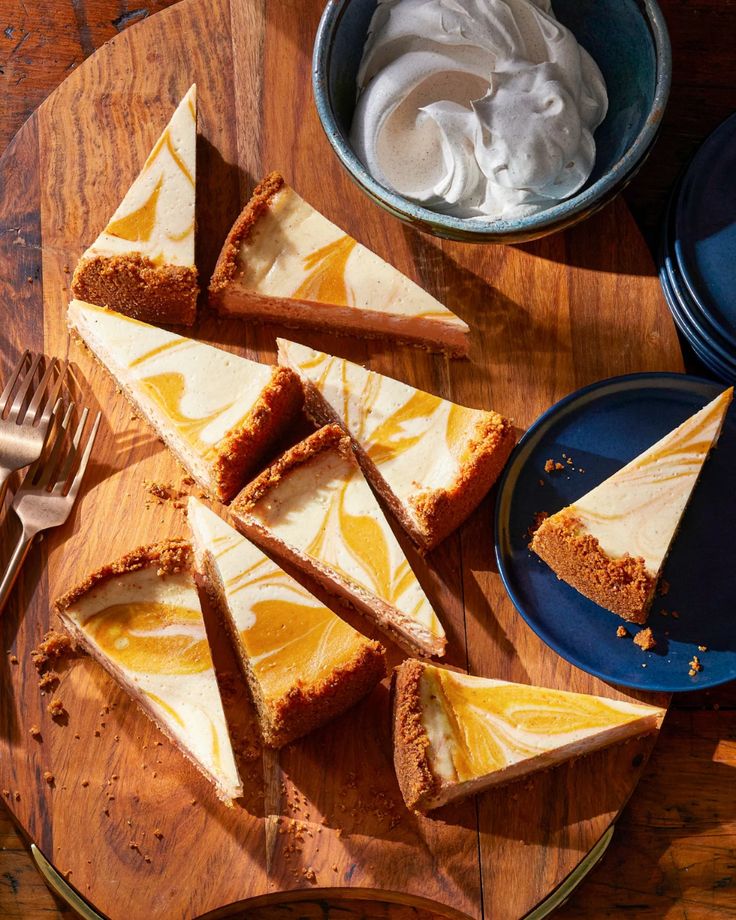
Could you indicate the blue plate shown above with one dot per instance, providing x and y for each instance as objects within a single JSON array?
[
  {"x": 705, "y": 229},
  {"x": 602, "y": 427},
  {"x": 704, "y": 353}
]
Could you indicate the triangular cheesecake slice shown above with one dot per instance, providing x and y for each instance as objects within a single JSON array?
[
  {"x": 431, "y": 460},
  {"x": 612, "y": 543},
  {"x": 142, "y": 263},
  {"x": 285, "y": 262},
  {"x": 304, "y": 665},
  {"x": 218, "y": 413},
  {"x": 456, "y": 735},
  {"x": 141, "y": 619},
  {"x": 314, "y": 507}
]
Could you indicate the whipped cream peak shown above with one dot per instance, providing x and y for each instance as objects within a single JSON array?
[{"x": 480, "y": 109}]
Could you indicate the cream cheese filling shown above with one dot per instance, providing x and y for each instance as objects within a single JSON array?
[
  {"x": 638, "y": 509},
  {"x": 201, "y": 391},
  {"x": 156, "y": 217},
  {"x": 151, "y": 628},
  {"x": 417, "y": 441},
  {"x": 296, "y": 252},
  {"x": 290, "y": 639},
  {"x": 477, "y": 726},
  {"x": 326, "y": 509}
]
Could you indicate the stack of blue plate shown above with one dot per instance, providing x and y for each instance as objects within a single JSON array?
[{"x": 698, "y": 257}]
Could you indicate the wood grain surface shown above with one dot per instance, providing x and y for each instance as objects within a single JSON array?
[{"x": 25, "y": 224}]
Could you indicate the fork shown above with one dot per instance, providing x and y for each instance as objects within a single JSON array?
[
  {"x": 23, "y": 432},
  {"x": 47, "y": 494}
]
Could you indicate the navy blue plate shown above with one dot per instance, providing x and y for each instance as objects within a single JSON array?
[
  {"x": 705, "y": 228},
  {"x": 602, "y": 427}
]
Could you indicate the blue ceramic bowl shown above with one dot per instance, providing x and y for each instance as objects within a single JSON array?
[{"x": 628, "y": 40}]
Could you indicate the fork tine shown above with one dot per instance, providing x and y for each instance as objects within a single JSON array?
[
  {"x": 52, "y": 461},
  {"x": 74, "y": 488},
  {"x": 15, "y": 373},
  {"x": 71, "y": 457},
  {"x": 33, "y": 469},
  {"x": 14, "y": 414},
  {"x": 40, "y": 392}
]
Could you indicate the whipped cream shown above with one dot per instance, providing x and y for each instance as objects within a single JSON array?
[{"x": 482, "y": 109}]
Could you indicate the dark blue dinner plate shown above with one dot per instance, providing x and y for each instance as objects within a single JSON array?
[
  {"x": 705, "y": 229},
  {"x": 600, "y": 428}
]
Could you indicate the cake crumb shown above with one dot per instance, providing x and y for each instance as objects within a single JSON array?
[
  {"x": 35, "y": 732},
  {"x": 695, "y": 666},
  {"x": 702, "y": 648},
  {"x": 56, "y": 709},
  {"x": 622, "y": 632},
  {"x": 49, "y": 777},
  {"x": 309, "y": 874},
  {"x": 676, "y": 614},
  {"x": 85, "y": 783},
  {"x": 158, "y": 834},
  {"x": 663, "y": 587},
  {"x": 539, "y": 518},
  {"x": 645, "y": 640},
  {"x": 14, "y": 659},
  {"x": 162, "y": 492},
  {"x": 549, "y": 466}
]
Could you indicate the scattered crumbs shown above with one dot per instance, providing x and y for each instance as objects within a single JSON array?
[
  {"x": 702, "y": 648},
  {"x": 85, "y": 783},
  {"x": 14, "y": 659},
  {"x": 17, "y": 796},
  {"x": 663, "y": 587},
  {"x": 334, "y": 867},
  {"x": 622, "y": 632},
  {"x": 77, "y": 735},
  {"x": 106, "y": 812},
  {"x": 664, "y": 613},
  {"x": 645, "y": 639},
  {"x": 133, "y": 845},
  {"x": 675, "y": 614},
  {"x": 158, "y": 834},
  {"x": 193, "y": 802},
  {"x": 6, "y": 793},
  {"x": 48, "y": 681},
  {"x": 161, "y": 492},
  {"x": 35, "y": 732},
  {"x": 49, "y": 777},
  {"x": 559, "y": 466},
  {"x": 56, "y": 709},
  {"x": 309, "y": 874},
  {"x": 695, "y": 666},
  {"x": 97, "y": 733},
  {"x": 569, "y": 461},
  {"x": 55, "y": 645},
  {"x": 541, "y": 482},
  {"x": 549, "y": 466},
  {"x": 716, "y": 706},
  {"x": 147, "y": 859},
  {"x": 644, "y": 665}
]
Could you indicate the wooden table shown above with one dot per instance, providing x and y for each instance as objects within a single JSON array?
[{"x": 674, "y": 853}]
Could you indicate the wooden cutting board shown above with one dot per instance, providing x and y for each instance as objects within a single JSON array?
[{"x": 547, "y": 317}]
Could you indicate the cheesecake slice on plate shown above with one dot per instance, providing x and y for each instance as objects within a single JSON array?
[
  {"x": 284, "y": 262},
  {"x": 431, "y": 460},
  {"x": 304, "y": 665},
  {"x": 314, "y": 507},
  {"x": 456, "y": 735},
  {"x": 612, "y": 543},
  {"x": 141, "y": 619},
  {"x": 142, "y": 263},
  {"x": 218, "y": 413}
]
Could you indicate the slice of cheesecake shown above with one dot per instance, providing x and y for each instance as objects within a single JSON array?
[
  {"x": 304, "y": 665},
  {"x": 431, "y": 460},
  {"x": 612, "y": 543},
  {"x": 218, "y": 413},
  {"x": 456, "y": 735},
  {"x": 142, "y": 263},
  {"x": 313, "y": 507},
  {"x": 141, "y": 619},
  {"x": 285, "y": 262}
]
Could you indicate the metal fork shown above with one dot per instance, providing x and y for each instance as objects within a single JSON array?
[
  {"x": 46, "y": 496},
  {"x": 23, "y": 431}
]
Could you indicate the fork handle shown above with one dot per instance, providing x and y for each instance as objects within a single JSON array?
[
  {"x": 4, "y": 476},
  {"x": 16, "y": 561}
]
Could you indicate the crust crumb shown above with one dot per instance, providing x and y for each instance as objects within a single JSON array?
[
  {"x": 622, "y": 632},
  {"x": 645, "y": 639}
]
